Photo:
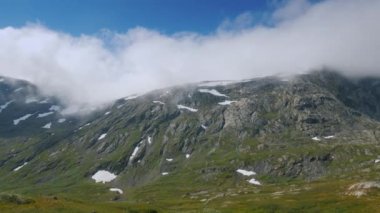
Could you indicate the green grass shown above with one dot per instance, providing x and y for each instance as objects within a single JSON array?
[
  {"x": 206, "y": 182},
  {"x": 166, "y": 196},
  {"x": 217, "y": 189}
]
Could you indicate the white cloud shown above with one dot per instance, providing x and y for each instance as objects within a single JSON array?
[
  {"x": 84, "y": 72},
  {"x": 292, "y": 9},
  {"x": 241, "y": 22}
]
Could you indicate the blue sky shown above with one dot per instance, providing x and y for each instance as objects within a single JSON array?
[{"x": 90, "y": 16}]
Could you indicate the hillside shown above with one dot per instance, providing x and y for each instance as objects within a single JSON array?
[{"x": 309, "y": 143}]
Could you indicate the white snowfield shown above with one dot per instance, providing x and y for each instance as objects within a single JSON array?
[
  {"x": 31, "y": 100},
  {"x": 326, "y": 137},
  {"x": 116, "y": 190},
  {"x": 87, "y": 124},
  {"x": 254, "y": 181},
  {"x": 41, "y": 115},
  {"x": 187, "y": 156},
  {"x": 226, "y": 102},
  {"x": 187, "y": 108},
  {"x": 169, "y": 159},
  {"x": 61, "y": 120},
  {"x": 107, "y": 113},
  {"x": 159, "y": 102},
  {"x": 212, "y": 92},
  {"x": 377, "y": 161},
  {"x": 249, "y": 173},
  {"x": 164, "y": 173},
  {"x": 245, "y": 172},
  {"x": 102, "y": 136},
  {"x": 221, "y": 83},
  {"x": 215, "y": 83},
  {"x": 45, "y": 101},
  {"x": 55, "y": 108},
  {"x": 19, "y": 167},
  {"x": 47, "y": 126},
  {"x": 23, "y": 118},
  {"x": 134, "y": 153},
  {"x": 131, "y": 97},
  {"x": 103, "y": 176},
  {"x": 18, "y": 89},
  {"x": 4, "y": 106}
]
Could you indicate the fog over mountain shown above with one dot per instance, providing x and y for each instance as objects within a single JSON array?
[{"x": 92, "y": 70}]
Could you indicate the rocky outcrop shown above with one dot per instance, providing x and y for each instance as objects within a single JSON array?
[{"x": 363, "y": 188}]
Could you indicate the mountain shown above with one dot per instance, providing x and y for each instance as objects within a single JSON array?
[{"x": 305, "y": 144}]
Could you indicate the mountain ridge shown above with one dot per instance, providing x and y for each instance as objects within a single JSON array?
[{"x": 303, "y": 131}]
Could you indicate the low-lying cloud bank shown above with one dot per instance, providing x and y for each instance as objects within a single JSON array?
[{"x": 91, "y": 71}]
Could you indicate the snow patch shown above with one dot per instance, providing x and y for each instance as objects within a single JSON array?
[
  {"x": 23, "y": 118},
  {"x": 116, "y": 190},
  {"x": 329, "y": 137},
  {"x": 187, "y": 108},
  {"x": 31, "y": 100},
  {"x": 18, "y": 89},
  {"x": 164, "y": 173},
  {"x": 19, "y": 167},
  {"x": 41, "y": 115},
  {"x": 212, "y": 92},
  {"x": 107, "y": 113},
  {"x": 149, "y": 140},
  {"x": 61, "y": 120},
  {"x": 55, "y": 108},
  {"x": 169, "y": 159},
  {"x": 131, "y": 97},
  {"x": 87, "y": 124},
  {"x": 377, "y": 161},
  {"x": 44, "y": 101},
  {"x": 187, "y": 156},
  {"x": 54, "y": 153},
  {"x": 249, "y": 173},
  {"x": 316, "y": 139},
  {"x": 103, "y": 176},
  {"x": 215, "y": 83},
  {"x": 159, "y": 102},
  {"x": 134, "y": 153},
  {"x": 4, "y": 106},
  {"x": 227, "y": 102},
  {"x": 47, "y": 126},
  {"x": 254, "y": 181},
  {"x": 245, "y": 172},
  {"x": 204, "y": 127},
  {"x": 102, "y": 136}
]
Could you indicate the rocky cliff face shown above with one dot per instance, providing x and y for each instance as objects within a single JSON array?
[{"x": 307, "y": 128}]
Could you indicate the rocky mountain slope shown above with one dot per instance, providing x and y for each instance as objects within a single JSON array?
[{"x": 217, "y": 146}]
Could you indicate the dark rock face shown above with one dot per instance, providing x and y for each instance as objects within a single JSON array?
[
  {"x": 362, "y": 95},
  {"x": 306, "y": 166}
]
